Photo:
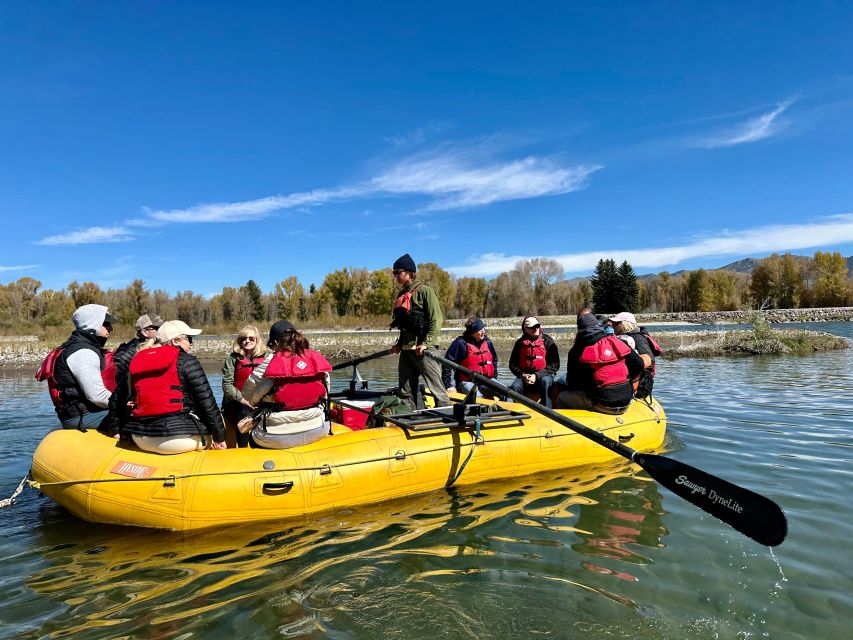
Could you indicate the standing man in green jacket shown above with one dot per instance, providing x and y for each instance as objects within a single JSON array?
[{"x": 417, "y": 315}]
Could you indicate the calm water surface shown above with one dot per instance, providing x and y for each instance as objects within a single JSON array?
[{"x": 590, "y": 553}]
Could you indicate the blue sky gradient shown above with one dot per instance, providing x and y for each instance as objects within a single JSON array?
[{"x": 198, "y": 145}]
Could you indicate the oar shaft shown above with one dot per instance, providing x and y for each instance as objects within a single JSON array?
[{"x": 357, "y": 361}]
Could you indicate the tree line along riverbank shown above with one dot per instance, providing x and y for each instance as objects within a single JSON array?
[{"x": 26, "y": 352}]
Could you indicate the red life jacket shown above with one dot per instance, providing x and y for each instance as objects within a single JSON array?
[
  {"x": 47, "y": 366},
  {"x": 531, "y": 354},
  {"x": 156, "y": 386},
  {"x": 299, "y": 380},
  {"x": 243, "y": 369},
  {"x": 607, "y": 359},
  {"x": 478, "y": 359},
  {"x": 108, "y": 373},
  {"x": 406, "y": 317}
]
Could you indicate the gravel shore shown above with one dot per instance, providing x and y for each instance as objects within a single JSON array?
[{"x": 27, "y": 353}]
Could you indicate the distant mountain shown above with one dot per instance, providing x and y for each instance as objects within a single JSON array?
[{"x": 741, "y": 266}]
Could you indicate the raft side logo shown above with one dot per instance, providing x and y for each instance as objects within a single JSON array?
[
  {"x": 301, "y": 364},
  {"x": 131, "y": 470}
]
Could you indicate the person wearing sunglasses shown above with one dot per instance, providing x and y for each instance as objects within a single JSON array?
[
  {"x": 417, "y": 314},
  {"x": 81, "y": 377},
  {"x": 290, "y": 387},
  {"x": 173, "y": 407},
  {"x": 535, "y": 360},
  {"x": 247, "y": 352}
]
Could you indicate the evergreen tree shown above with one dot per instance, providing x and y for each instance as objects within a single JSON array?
[
  {"x": 604, "y": 281},
  {"x": 627, "y": 290},
  {"x": 258, "y": 308}
]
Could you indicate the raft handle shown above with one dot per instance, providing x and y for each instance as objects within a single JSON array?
[
  {"x": 627, "y": 438},
  {"x": 278, "y": 486},
  {"x": 171, "y": 481}
]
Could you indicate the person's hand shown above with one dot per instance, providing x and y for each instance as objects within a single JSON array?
[
  {"x": 419, "y": 349},
  {"x": 247, "y": 403},
  {"x": 219, "y": 445},
  {"x": 395, "y": 348},
  {"x": 451, "y": 389},
  {"x": 529, "y": 378}
]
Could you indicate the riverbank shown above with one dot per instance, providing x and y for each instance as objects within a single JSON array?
[{"x": 26, "y": 354}]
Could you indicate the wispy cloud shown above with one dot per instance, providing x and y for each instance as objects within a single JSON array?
[
  {"x": 444, "y": 179},
  {"x": 752, "y": 130},
  {"x": 448, "y": 180},
  {"x": 453, "y": 182},
  {"x": 253, "y": 209},
  {"x": 759, "y": 240},
  {"x": 89, "y": 236},
  {"x": 18, "y": 267}
]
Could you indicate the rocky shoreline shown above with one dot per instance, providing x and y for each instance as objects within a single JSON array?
[{"x": 26, "y": 354}]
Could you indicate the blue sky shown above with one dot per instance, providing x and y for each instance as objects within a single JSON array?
[{"x": 198, "y": 145}]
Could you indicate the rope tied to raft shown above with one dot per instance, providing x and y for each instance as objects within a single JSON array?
[{"x": 12, "y": 499}]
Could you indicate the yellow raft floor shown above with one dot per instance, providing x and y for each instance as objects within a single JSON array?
[{"x": 100, "y": 480}]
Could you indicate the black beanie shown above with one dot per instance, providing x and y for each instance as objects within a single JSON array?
[
  {"x": 278, "y": 330},
  {"x": 588, "y": 321},
  {"x": 405, "y": 263}
]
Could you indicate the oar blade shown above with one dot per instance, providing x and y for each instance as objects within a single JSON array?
[{"x": 754, "y": 515}]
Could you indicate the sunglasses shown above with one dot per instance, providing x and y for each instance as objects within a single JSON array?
[
  {"x": 248, "y": 338},
  {"x": 397, "y": 272},
  {"x": 188, "y": 339},
  {"x": 535, "y": 326}
]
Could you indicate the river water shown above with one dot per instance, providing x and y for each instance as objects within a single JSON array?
[{"x": 590, "y": 553}]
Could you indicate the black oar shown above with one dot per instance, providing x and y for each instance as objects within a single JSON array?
[
  {"x": 357, "y": 361},
  {"x": 752, "y": 514}
]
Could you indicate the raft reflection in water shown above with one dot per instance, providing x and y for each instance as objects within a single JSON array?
[{"x": 140, "y": 582}]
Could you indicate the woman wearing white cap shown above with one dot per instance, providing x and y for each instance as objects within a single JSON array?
[
  {"x": 626, "y": 328},
  {"x": 174, "y": 409}
]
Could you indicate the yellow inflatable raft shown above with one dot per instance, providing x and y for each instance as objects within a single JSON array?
[{"x": 100, "y": 480}]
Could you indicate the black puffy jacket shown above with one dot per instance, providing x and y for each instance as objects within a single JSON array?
[{"x": 198, "y": 399}]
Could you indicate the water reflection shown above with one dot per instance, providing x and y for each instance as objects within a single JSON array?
[{"x": 111, "y": 576}]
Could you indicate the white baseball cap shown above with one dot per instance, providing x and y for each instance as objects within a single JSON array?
[{"x": 173, "y": 328}]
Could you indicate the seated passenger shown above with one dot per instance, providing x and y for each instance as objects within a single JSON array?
[
  {"x": 80, "y": 372},
  {"x": 291, "y": 386},
  {"x": 146, "y": 329},
  {"x": 599, "y": 370},
  {"x": 475, "y": 351},
  {"x": 173, "y": 407},
  {"x": 625, "y": 326},
  {"x": 535, "y": 361},
  {"x": 247, "y": 352}
]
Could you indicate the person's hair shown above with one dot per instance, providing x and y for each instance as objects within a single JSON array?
[
  {"x": 260, "y": 348},
  {"x": 153, "y": 342},
  {"x": 292, "y": 341},
  {"x": 584, "y": 311}
]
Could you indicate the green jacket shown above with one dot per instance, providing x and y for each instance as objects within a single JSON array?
[
  {"x": 423, "y": 298},
  {"x": 229, "y": 391}
]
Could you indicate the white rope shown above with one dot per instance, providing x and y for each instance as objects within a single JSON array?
[{"x": 11, "y": 500}]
